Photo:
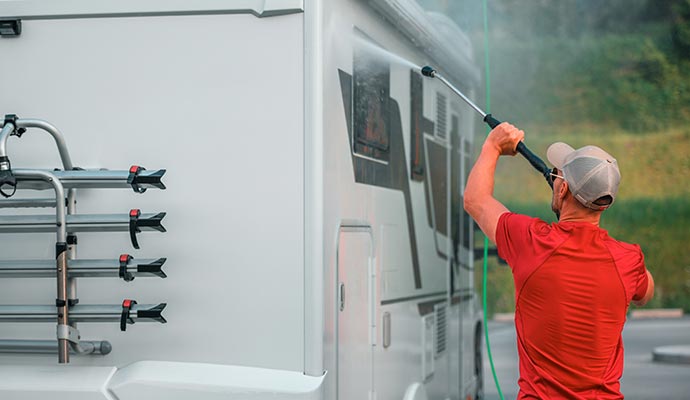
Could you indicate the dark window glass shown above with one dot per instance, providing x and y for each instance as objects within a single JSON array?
[
  {"x": 416, "y": 128},
  {"x": 438, "y": 168},
  {"x": 371, "y": 84},
  {"x": 468, "y": 224},
  {"x": 455, "y": 182}
]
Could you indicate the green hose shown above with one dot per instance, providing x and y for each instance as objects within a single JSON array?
[{"x": 486, "y": 239}]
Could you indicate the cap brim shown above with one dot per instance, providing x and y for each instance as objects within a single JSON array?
[{"x": 557, "y": 152}]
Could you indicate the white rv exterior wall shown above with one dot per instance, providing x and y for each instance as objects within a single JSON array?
[
  {"x": 247, "y": 114},
  {"x": 398, "y": 369},
  {"x": 218, "y": 101}
]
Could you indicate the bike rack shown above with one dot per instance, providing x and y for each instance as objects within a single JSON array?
[
  {"x": 121, "y": 267},
  {"x": 65, "y": 224}
]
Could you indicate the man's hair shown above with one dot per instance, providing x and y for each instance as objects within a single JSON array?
[{"x": 603, "y": 200}]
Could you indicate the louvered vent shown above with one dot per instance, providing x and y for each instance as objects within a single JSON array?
[
  {"x": 441, "y": 331},
  {"x": 441, "y": 117}
]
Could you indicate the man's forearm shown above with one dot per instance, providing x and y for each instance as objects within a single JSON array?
[
  {"x": 479, "y": 200},
  {"x": 480, "y": 182},
  {"x": 649, "y": 293}
]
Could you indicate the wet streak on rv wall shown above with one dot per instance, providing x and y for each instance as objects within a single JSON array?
[
  {"x": 375, "y": 133},
  {"x": 368, "y": 170}
]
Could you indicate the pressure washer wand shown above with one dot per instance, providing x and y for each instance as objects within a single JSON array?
[{"x": 533, "y": 159}]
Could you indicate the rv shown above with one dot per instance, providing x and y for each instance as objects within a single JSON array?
[{"x": 310, "y": 235}]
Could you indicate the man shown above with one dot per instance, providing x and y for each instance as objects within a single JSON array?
[{"x": 573, "y": 282}]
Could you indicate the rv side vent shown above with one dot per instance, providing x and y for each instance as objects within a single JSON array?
[
  {"x": 441, "y": 331},
  {"x": 441, "y": 118},
  {"x": 10, "y": 27}
]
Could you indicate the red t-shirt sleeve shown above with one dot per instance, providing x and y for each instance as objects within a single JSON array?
[
  {"x": 629, "y": 260},
  {"x": 513, "y": 236},
  {"x": 642, "y": 280}
]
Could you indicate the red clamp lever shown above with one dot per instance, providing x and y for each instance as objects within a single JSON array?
[
  {"x": 124, "y": 274},
  {"x": 125, "y": 318}
]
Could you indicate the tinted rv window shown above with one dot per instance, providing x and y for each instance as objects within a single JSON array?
[
  {"x": 461, "y": 221},
  {"x": 455, "y": 182},
  {"x": 416, "y": 126},
  {"x": 467, "y": 222},
  {"x": 371, "y": 86}
]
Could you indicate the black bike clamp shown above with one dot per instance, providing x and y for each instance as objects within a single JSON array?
[
  {"x": 12, "y": 119},
  {"x": 134, "y": 215},
  {"x": 125, "y": 318},
  {"x": 7, "y": 178},
  {"x": 132, "y": 179},
  {"x": 124, "y": 274}
]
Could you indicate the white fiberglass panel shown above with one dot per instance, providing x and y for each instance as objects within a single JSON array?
[
  {"x": 155, "y": 380},
  {"x": 72, "y": 8},
  {"x": 202, "y": 97},
  {"x": 55, "y": 382},
  {"x": 181, "y": 381}
]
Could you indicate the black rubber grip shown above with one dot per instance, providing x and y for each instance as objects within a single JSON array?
[
  {"x": 536, "y": 162},
  {"x": 491, "y": 121},
  {"x": 533, "y": 159}
]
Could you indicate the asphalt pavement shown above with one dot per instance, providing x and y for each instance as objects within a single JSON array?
[{"x": 643, "y": 378}]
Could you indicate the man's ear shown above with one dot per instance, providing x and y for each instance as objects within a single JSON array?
[{"x": 563, "y": 191}]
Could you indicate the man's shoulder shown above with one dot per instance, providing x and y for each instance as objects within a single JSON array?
[
  {"x": 517, "y": 218},
  {"x": 619, "y": 245},
  {"x": 624, "y": 253},
  {"x": 535, "y": 225},
  {"x": 528, "y": 231}
]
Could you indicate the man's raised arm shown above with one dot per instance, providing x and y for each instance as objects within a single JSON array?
[{"x": 479, "y": 198}]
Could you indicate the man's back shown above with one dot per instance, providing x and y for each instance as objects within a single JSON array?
[{"x": 573, "y": 286}]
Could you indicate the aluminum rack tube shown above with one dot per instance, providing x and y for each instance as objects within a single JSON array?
[
  {"x": 66, "y": 163},
  {"x": 110, "y": 268},
  {"x": 37, "y": 123},
  {"x": 71, "y": 193},
  {"x": 60, "y": 208},
  {"x": 81, "y": 223},
  {"x": 21, "y": 346},
  {"x": 96, "y": 313},
  {"x": 27, "y": 203},
  {"x": 61, "y": 252},
  {"x": 6, "y": 132}
]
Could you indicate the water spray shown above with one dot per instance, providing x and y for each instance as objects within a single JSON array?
[{"x": 533, "y": 159}]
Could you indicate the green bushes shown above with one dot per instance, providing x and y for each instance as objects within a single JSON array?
[
  {"x": 623, "y": 80},
  {"x": 680, "y": 30}
]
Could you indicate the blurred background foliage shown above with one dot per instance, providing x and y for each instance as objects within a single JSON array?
[{"x": 615, "y": 74}]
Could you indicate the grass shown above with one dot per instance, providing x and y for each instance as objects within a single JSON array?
[{"x": 653, "y": 165}]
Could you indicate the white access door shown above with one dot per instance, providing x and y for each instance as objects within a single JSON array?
[{"x": 356, "y": 311}]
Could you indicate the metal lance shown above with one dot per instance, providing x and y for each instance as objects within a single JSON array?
[{"x": 533, "y": 159}]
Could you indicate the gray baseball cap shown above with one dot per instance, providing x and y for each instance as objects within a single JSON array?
[{"x": 591, "y": 172}]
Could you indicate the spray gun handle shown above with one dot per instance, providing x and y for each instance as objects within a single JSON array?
[
  {"x": 491, "y": 121},
  {"x": 533, "y": 159},
  {"x": 536, "y": 162}
]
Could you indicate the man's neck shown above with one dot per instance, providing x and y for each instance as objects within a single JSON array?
[{"x": 577, "y": 213}]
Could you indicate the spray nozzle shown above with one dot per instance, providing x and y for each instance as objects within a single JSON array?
[{"x": 428, "y": 71}]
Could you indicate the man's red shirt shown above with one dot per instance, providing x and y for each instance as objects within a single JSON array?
[{"x": 573, "y": 286}]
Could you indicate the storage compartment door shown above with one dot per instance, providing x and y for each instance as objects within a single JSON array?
[{"x": 356, "y": 309}]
